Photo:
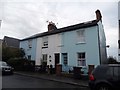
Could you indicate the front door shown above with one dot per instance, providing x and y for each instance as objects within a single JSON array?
[{"x": 57, "y": 59}]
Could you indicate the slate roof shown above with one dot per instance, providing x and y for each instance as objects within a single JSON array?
[
  {"x": 64, "y": 29},
  {"x": 11, "y": 42}
]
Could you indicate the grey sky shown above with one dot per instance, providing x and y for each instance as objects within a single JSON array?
[{"x": 23, "y": 18}]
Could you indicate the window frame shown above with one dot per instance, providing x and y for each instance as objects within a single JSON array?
[
  {"x": 65, "y": 58},
  {"x": 80, "y": 36},
  {"x": 45, "y": 42},
  {"x": 44, "y": 57},
  {"x": 30, "y": 43},
  {"x": 81, "y": 59},
  {"x": 29, "y": 57}
]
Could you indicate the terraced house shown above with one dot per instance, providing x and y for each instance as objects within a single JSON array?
[{"x": 78, "y": 45}]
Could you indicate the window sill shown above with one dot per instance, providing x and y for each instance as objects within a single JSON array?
[
  {"x": 80, "y": 43},
  {"x": 82, "y": 66},
  {"x": 28, "y": 49},
  {"x": 60, "y": 45},
  {"x": 44, "y": 47}
]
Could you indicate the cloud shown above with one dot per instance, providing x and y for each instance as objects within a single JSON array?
[
  {"x": 59, "y": 0},
  {"x": 23, "y": 18}
]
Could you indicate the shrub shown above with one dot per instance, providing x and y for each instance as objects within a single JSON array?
[
  {"x": 11, "y": 52},
  {"x": 20, "y": 64}
]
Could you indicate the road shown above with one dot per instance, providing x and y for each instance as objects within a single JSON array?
[{"x": 19, "y": 81}]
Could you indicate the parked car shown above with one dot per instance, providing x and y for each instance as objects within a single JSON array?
[
  {"x": 105, "y": 77},
  {"x": 5, "y": 68}
]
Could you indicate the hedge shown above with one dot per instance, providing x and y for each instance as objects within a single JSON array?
[{"x": 20, "y": 64}]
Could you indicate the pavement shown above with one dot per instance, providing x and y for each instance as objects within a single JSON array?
[{"x": 53, "y": 77}]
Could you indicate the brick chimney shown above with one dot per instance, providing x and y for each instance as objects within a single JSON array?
[
  {"x": 51, "y": 26},
  {"x": 98, "y": 15}
]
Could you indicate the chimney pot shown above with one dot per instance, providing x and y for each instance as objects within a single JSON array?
[
  {"x": 51, "y": 26},
  {"x": 98, "y": 15}
]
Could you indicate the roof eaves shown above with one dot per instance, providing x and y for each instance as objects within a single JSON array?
[{"x": 64, "y": 29}]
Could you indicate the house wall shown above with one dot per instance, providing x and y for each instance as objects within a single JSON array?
[
  {"x": 29, "y": 51},
  {"x": 38, "y": 51},
  {"x": 90, "y": 47},
  {"x": 66, "y": 42},
  {"x": 54, "y": 44},
  {"x": 102, "y": 40}
]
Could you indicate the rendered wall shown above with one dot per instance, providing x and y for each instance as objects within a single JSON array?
[
  {"x": 72, "y": 47},
  {"x": 29, "y": 51}
]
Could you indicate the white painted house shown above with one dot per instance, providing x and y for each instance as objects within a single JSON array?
[
  {"x": 47, "y": 47},
  {"x": 78, "y": 45}
]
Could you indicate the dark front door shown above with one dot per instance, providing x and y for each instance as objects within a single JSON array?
[{"x": 57, "y": 59}]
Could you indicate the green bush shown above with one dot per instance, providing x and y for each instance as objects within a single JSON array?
[
  {"x": 20, "y": 64},
  {"x": 11, "y": 52}
]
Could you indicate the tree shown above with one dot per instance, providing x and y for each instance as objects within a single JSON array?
[
  {"x": 21, "y": 64},
  {"x": 11, "y": 52}
]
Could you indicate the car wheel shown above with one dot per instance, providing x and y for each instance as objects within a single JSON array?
[{"x": 103, "y": 87}]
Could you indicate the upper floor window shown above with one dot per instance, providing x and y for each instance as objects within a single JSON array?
[
  {"x": 30, "y": 43},
  {"x": 81, "y": 36},
  {"x": 81, "y": 59},
  {"x": 45, "y": 42}
]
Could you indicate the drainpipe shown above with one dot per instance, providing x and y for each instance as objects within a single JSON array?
[
  {"x": 99, "y": 19},
  {"x": 99, "y": 45}
]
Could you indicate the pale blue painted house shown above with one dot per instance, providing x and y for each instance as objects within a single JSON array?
[
  {"x": 29, "y": 46},
  {"x": 84, "y": 45}
]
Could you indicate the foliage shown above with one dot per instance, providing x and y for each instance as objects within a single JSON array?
[
  {"x": 43, "y": 66},
  {"x": 21, "y": 64},
  {"x": 10, "y": 52},
  {"x": 112, "y": 60}
]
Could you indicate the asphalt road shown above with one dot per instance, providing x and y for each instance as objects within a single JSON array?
[{"x": 19, "y": 81}]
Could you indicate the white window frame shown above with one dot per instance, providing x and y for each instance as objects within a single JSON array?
[
  {"x": 44, "y": 57},
  {"x": 45, "y": 42},
  {"x": 29, "y": 57},
  {"x": 80, "y": 36},
  {"x": 30, "y": 43},
  {"x": 81, "y": 59},
  {"x": 65, "y": 58}
]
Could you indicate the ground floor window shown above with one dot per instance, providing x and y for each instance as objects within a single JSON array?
[
  {"x": 29, "y": 57},
  {"x": 65, "y": 58},
  {"x": 81, "y": 59},
  {"x": 44, "y": 57}
]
